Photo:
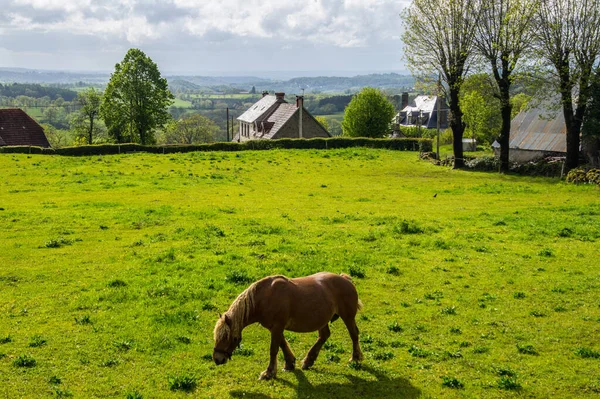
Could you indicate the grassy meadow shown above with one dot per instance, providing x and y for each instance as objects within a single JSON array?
[{"x": 113, "y": 271}]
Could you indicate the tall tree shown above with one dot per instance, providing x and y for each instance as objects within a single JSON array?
[
  {"x": 369, "y": 114},
  {"x": 136, "y": 100},
  {"x": 89, "y": 100},
  {"x": 503, "y": 36},
  {"x": 439, "y": 38},
  {"x": 568, "y": 36}
]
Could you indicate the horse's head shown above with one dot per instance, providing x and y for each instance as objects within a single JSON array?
[{"x": 225, "y": 341}]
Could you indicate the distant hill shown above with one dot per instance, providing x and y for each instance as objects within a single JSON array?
[{"x": 325, "y": 84}]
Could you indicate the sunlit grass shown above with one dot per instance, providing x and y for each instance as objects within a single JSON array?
[{"x": 114, "y": 269}]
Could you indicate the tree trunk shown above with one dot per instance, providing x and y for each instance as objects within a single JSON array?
[
  {"x": 573, "y": 129},
  {"x": 91, "y": 130},
  {"x": 458, "y": 127},
  {"x": 506, "y": 111}
]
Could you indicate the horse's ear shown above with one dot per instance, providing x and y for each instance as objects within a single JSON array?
[{"x": 227, "y": 320}]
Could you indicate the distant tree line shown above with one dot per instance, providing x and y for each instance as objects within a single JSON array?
[{"x": 36, "y": 91}]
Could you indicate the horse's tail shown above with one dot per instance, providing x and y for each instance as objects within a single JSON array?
[{"x": 360, "y": 305}]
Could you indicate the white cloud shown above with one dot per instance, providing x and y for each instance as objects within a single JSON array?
[{"x": 287, "y": 23}]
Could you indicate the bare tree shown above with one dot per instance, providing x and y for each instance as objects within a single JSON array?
[
  {"x": 568, "y": 36},
  {"x": 504, "y": 34},
  {"x": 439, "y": 38}
]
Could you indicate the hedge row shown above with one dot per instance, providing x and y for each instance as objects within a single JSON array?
[{"x": 404, "y": 144}]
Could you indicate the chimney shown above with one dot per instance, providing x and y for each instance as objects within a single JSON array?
[
  {"x": 404, "y": 100},
  {"x": 300, "y": 106},
  {"x": 279, "y": 97},
  {"x": 265, "y": 93}
]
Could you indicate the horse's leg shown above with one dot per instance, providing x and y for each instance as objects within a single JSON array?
[
  {"x": 288, "y": 355},
  {"x": 357, "y": 355},
  {"x": 312, "y": 354},
  {"x": 271, "y": 371}
]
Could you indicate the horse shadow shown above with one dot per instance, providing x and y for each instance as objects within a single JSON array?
[{"x": 383, "y": 387}]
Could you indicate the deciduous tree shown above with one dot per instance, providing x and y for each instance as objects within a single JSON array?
[
  {"x": 136, "y": 100},
  {"x": 191, "y": 129},
  {"x": 568, "y": 36},
  {"x": 439, "y": 39},
  {"x": 89, "y": 100},
  {"x": 369, "y": 114},
  {"x": 503, "y": 36}
]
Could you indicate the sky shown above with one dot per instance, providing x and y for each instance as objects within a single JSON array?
[{"x": 205, "y": 37}]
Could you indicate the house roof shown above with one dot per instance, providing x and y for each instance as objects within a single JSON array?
[
  {"x": 421, "y": 103},
  {"x": 258, "y": 109},
  {"x": 279, "y": 117},
  {"x": 539, "y": 129},
  {"x": 18, "y": 128}
]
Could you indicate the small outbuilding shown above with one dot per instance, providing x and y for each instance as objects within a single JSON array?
[
  {"x": 536, "y": 133},
  {"x": 422, "y": 111},
  {"x": 19, "y": 129}
]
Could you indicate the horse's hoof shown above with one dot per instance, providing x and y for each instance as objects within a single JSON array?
[
  {"x": 266, "y": 375},
  {"x": 289, "y": 367},
  {"x": 307, "y": 364}
]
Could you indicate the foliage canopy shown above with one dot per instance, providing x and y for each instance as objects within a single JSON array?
[
  {"x": 368, "y": 115},
  {"x": 136, "y": 99}
]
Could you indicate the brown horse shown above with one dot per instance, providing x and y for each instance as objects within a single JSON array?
[{"x": 278, "y": 303}]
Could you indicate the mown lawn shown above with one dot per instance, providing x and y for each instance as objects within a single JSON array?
[{"x": 113, "y": 271}]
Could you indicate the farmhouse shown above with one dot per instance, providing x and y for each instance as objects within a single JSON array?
[
  {"x": 17, "y": 128},
  {"x": 422, "y": 112},
  {"x": 274, "y": 118},
  {"x": 536, "y": 133}
]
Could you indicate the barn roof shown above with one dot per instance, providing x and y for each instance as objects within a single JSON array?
[
  {"x": 539, "y": 129},
  {"x": 18, "y": 128}
]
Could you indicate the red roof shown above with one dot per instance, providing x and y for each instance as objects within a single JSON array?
[{"x": 18, "y": 128}]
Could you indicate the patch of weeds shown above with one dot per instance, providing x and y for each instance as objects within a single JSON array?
[
  {"x": 6, "y": 339},
  {"x": 587, "y": 353},
  {"x": 566, "y": 232},
  {"x": 366, "y": 339},
  {"x": 537, "y": 313},
  {"x": 508, "y": 383},
  {"x": 123, "y": 345},
  {"x": 63, "y": 393},
  {"x": 383, "y": 356},
  {"x": 333, "y": 347},
  {"x": 398, "y": 344},
  {"x": 356, "y": 271},
  {"x": 117, "y": 283},
  {"x": 408, "y": 227},
  {"x": 25, "y": 361},
  {"x": 481, "y": 349},
  {"x": 546, "y": 252},
  {"x": 57, "y": 242},
  {"x": 36, "y": 341},
  {"x": 434, "y": 296},
  {"x": 238, "y": 276},
  {"x": 519, "y": 295},
  {"x": 500, "y": 222},
  {"x": 506, "y": 372},
  {"x": 109, "y": 363},
  {"x": 208, "y": 306},
  {"x": 134, "y": 395},
  {"x": 455, "y": 330},
  {"x": 186, "y": 383},
  {"x": 213, "y": 231},
  {"x": 395, "y": 327},
  {"x": 54, "y": 380},
  {"x": 393, "y": 270},
  {"x": 415, "y": 351},
  {"x": 355, "y": 366},
  {"x": 207, "y": 357},
  {"x": 453, "y": 355},
  {"x": 167, "y": 256},
  {"x": 138, "y": 243},
  {"x": 464, "y": 344},
  {"x": 560, "y": 309},
  {"x": 184, "y": 340},
  {"x": 83, "y": 320},
  {"x": 526, "y": 349},
  {"x": 452, "y": 382},
  {"x": 451, "y": 310},
  {"x": 332, "y": 358},
  {"x": 244, "y": 351}
]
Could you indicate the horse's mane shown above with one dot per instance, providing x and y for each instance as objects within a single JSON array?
[{"x": 238, "y": 314}]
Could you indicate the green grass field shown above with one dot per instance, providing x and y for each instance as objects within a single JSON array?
[{"x": 113, "y": 271}]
